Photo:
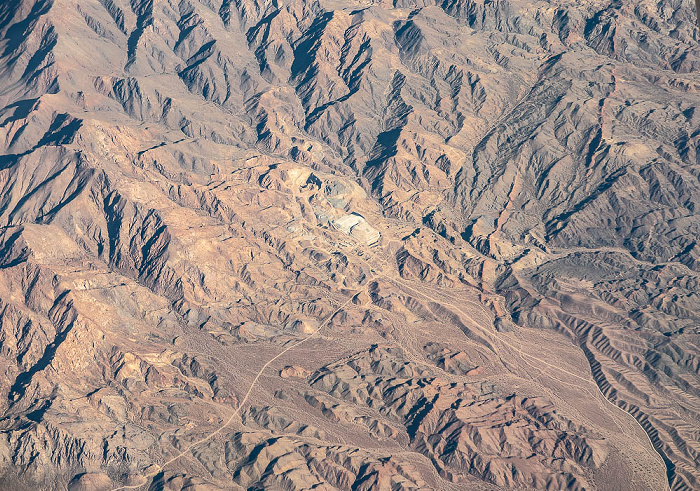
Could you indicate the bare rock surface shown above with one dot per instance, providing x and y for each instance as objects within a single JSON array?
[{"x": 330, "y": 244}]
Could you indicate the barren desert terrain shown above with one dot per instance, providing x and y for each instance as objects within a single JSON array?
[{"x": 349, "y": 244}]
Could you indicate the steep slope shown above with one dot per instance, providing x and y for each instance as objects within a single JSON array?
[{"x": 354, "y": 245}]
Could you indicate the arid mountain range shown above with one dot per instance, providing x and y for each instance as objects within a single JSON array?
[{"x": 329, "y": 244}]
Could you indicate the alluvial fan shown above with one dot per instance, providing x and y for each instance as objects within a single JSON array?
[{"x": 336, "y": 244}]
